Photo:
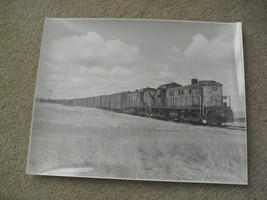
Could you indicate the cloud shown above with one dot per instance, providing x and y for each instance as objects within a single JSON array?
[
  {"x": 118, "y": 71},
  {"x": 87, "y": 65},
  {"x": 91, "y": 49},
  {"x": 95, "y": 71},
  {"x": 78, "y": 81},
  {"x": 219, "y": 49},
  {"x": 160, "y": 67},
  {"x": 174, "y": 53},
  {"x": 164, "y": 74}
]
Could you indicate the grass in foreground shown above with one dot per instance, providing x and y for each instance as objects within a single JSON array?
[{"x": 122, "y": 146}]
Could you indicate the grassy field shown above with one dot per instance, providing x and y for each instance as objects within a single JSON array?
[{"x": 78, "y": 141}]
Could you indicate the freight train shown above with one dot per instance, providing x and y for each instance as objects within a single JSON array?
[{"x": 200, "y": 102}]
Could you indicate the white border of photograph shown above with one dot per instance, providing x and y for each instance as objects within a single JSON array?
[{"x": 125, "y": 57}]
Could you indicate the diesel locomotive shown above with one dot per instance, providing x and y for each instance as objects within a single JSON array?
[{"x": 200, "y": 102}]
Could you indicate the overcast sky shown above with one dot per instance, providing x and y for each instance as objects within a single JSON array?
[{"x": 82, "y": 57}]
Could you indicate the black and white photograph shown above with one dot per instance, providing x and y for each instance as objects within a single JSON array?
[{"x": 152, "y": 100}]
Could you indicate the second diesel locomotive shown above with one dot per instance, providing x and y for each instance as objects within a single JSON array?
[{"x": 200, "y": 102}]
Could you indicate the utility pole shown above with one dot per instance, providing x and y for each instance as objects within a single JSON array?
[{"x": 50, "y": 92}]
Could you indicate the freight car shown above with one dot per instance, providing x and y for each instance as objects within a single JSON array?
[
  {"x": 105, "y": 102},
  {"x": 118, "y": 101},
  {"x": 200, "y": 102}
]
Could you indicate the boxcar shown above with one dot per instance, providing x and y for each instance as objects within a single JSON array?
[
  {"x": 105, "y": 101},
  {"x": 97, "y": 101},
  {"x": 134, "y": 99},
  {"x": 118, "y": 101},
  {"x": 90, "y": 101}
]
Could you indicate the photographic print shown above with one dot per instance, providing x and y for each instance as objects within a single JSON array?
[{"x": 157, "y": 100}]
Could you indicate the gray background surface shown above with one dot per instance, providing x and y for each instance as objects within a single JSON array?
[{"x": 20, "y": 33}]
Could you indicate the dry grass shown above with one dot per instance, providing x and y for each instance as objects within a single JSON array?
[{"x": 122, "y": 146}]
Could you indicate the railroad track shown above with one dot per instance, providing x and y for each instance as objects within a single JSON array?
[
  {"x": 226, "y": 126},
  {"x": 233, "y": 127}
]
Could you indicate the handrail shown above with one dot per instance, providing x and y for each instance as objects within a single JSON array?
[
  {"x": 200, "y": 101},
  {"x": 203, "y": 110}
]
